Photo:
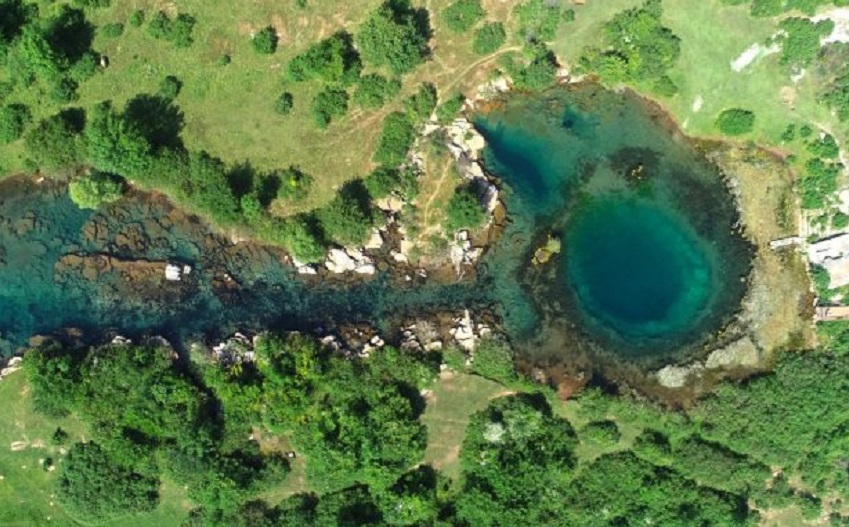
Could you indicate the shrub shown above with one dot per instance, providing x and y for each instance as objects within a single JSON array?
[
  {"x": 488, "y": 38},
  {"x": 460, "y": 16},
  {"x": 14, "y": 118},
  {"x": 334, "y": 59},
  {"x": 294, "y": 183},
  {"x": 373, "y": 91},
  {"x": 601, "y": 434},
  {"x": 396, "y": 138},
  {"x": 284, "y": 104},
  {"x": 840, "y": 221},
  {"x": 170, "y": 87},
  {"x": 329, "y": 104},
  {"x": 817, "y": 183},
  {"x": 464, "y": 209},
  {"x": 299, "y": 235},
  {"x": 735, "y": 121},
  {"x": 394, "y": 36},
  {"x": 805, "y": 131},
  {"x": 265, "y": 40},
  {"x": 539, "y": 73},
  {"x": 665, "y": 87},
  {"x": 94, "y": 190}
]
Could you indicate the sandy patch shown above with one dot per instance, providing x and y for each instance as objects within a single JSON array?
[
  {"x": 17, "y": 446},
  {"x": 788, "y": 96},
  {"x": 753, "y": 53}
]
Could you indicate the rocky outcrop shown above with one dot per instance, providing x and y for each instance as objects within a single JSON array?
[
  {"x": 349, "y": 260},
  {"x": 678, "y": 376},
  {"x": 466, "y": 333},
  {"x": 12, "y": 366}
]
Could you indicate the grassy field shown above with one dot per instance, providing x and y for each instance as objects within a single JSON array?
[{"x": 713, "y": 35}]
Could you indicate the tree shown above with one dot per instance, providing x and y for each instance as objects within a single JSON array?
[
  {"x": 177, "y": 31},
  {"x": 801, "y": 40},
  {"x": 329, "y": 104},
  {"x": 14, "y": 118},
  {"x": 373, "y": 91},
  {"x": 539, "y": 20},
  {"x": 517, "y": 460},
  {"x": 116, "y": 145},
  {"x": 95, "y": 189},
  {"x": 333, "y": 60},
  {"x": 394, "y": 36},
  {"x": 460, "y": 16},
  {"x": 735, "y": 121},
  {"x": 396, "y": 138},
  {"x": 265, "y": 41},
  {"x": 93, "y": 488},
  {"x": 464, "y": 210},
  {"x": 488, "y": 38}
]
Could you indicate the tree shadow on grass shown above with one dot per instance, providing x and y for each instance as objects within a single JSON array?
[{"x": 158, "y": 119}]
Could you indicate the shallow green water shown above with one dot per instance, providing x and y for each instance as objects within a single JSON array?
[
  {"x": 651, "y": 259},
  {"x": 648, "y": 265}
]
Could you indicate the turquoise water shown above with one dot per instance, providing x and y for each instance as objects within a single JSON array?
[
  {"x": 650, "y": 264},
  {"x": 652, "y": 261}
]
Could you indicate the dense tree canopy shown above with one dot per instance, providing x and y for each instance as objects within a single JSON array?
[
  {"x": 462, "y": 15},
  {"x": 94, "y": 190},
  {"x": 334, "y": 59},
  {"x": 395, "y": 36}
]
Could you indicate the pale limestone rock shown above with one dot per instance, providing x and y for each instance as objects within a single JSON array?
[
  {"x": 367, "y": 269},
  {"x": 375, "y": 242},
  {"x": 338, "y": 261},
  {"x": 172, "y": 273},
  {"x": 677, "y": 376},
  {"x": 740, "y": 353}
]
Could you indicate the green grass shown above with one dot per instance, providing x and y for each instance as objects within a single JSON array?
[
  {"x": 453, "y": 401},
  {"x": 26, "y": 490}
]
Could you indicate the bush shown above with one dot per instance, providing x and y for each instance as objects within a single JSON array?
[
  {"x": 735, "y": 121},
  {"x": 539, "y": 73},
  {"x": 14, "y": 118},
  {"x": 394, "y": 36},
  {"x": 299, "y": 235},
  {"x": 665, "y": 87},
  {"x": 488, "y": 38},
  {"x": 137, "y": 18},
  {"x": 293, "y": 183},
  {"x": 493, "y": 360},
  {"x": 464, "y": 209},
  {"x": 826, "y": 147},
  {"x": 177, "y": 31},
  {"x": 818, "y": 182},
  {"x": 600, "y": 434},
  {"x": 114, "y": 30},
  {"x": 94, "y": 489},
  {"x": 347, "y": 219},
  {"x": 540, "y": 19},
  {"x": 447, "y": 111},
  {"x": 373, "y": 91},
  {"x": 94, "y": 190},
  {"x": 284, "y": 104},
  {"x": 334, "y": 59},
  {"x": 840, "y": 221},
  {"x": 460, "y": 16},
  {"x": 170, "y": 87},
  {"x": 420, "y": 105},
  {"x": 56, "y": 142},
  {"x": 385, "y": 180},
  {"x": 329, "y": 104},
  {"x": 396, "y": 138},
  {"x": 264, "y": 41},
  {"x": 766, "y": 8}
]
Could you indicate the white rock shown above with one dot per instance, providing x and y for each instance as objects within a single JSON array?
[
  {"x": 436, "y": 345},
  {"x": 677, "y": 376},
  {"x": 187, "y": 269},
  {"x": 307, "y": 269},
  {"x": 376, "y": 240},
  {"x": 14, "y": 361},
  {"x": 399, "y": 257},
  {"x": 472, "y": 255},
  {"x": 365, "y": 269},
  {"x": 172, "y": 273},
  {"x": 489, "y": 200},
  {"x": 338, "y": 261},
  {"x": 356, "y": 255},
  {"x": 740, "y": 353}
]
